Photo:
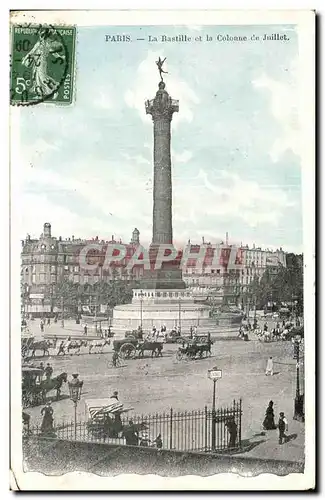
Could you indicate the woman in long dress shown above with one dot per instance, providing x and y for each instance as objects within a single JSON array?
[
  {"x": 269, "y": 422},
  {"x": 47, "y": 424}
]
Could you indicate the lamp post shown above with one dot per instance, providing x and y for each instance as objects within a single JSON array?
[
  {"x": 214, "y": 374},
  {"x": 179, "y": 315},
  {"x": 141, "y": 294},
  {"x": 298, "y": 405},
  {"x": 75, "y": 386},
  {"x": 62, "y": 312}
]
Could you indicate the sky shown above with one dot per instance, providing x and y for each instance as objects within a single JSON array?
[{"x": 236, "y": 163}]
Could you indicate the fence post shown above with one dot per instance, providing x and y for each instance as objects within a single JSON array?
[
  {"x": 240, "y": 412},
  {"x": 171, "y": 429},
  {"x": 205, "y": 428}
]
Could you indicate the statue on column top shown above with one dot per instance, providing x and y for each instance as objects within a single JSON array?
[{"x": 160, "y": 67}]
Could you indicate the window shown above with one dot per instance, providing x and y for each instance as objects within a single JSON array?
[
  {"x": 34, "y": 278},
  {"x": 53, "y": 278},
  {"x": 42, "y": 258},
  {"x": 86, "y": 279},
  {"x": 53, "y": 269},
  {"x": 76, "y": 278},
  {"x": 42, "y": 278},
  {"x": 76, "y": 269},
  {"x": 42, "y": 268}
]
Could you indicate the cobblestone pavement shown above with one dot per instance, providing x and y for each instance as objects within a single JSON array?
[{"x": 155, "y": 385}]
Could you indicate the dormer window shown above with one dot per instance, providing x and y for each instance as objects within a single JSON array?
[{"x": 52, "y": 247}]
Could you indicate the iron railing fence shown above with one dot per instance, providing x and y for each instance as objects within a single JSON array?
[{"x": 181, "y": 431}]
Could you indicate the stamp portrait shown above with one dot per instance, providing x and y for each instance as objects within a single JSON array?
[{"x": 42, "y": 64}]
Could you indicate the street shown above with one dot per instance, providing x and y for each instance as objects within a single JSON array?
[{"x": 155, "y": 385}]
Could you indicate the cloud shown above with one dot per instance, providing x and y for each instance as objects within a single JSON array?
[
  {"x": 138, "y": 159},
  {"x": 182, "y": 157},
  {"x": 146, "y": 84},
  {"x": 231, "y": 197},
  {"x": 102, "y": 100},
  {"x": 284, "y": 107},
  {"x": 39, "y": 149}
]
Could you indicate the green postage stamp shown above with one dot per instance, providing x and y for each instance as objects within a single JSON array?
[{"x": 42, "y": 64}]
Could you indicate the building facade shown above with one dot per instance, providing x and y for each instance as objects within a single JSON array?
[{"x": 49, "y": 260}]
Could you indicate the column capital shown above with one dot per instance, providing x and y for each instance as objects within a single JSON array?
[{"x": 162, "y": 106}]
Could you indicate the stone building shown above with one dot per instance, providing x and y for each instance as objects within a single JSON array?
[{"x": 49, "y": 260}]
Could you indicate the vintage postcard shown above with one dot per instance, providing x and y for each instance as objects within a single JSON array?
[{"x": 162, "y": 242}]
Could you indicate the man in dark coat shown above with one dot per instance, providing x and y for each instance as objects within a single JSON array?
[
  {"x": 283, "y": 427},
  {"x": 232, "y": 430},
  {"x": 131, "y": 435}
]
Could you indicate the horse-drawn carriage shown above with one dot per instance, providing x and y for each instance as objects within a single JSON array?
[
  {"x": 27, "y": 341},
  {"x": 130, "y": 348},
  {"x": 31, "y": 386},
  {"x": 105, "y": 418},
  {"x": 196, "y": 348}
]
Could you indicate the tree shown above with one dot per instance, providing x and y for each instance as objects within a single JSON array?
[{"x": 283, "y": 285}]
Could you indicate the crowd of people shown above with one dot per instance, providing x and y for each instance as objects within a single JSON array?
[{"x": 281, "y": 331}]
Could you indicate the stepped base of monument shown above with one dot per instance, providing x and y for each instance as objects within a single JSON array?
[{"x": 171, "y": 308}]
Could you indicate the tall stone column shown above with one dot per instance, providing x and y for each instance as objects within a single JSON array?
[{"x": 161, "y": 108}]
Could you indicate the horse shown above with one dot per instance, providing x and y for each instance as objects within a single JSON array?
[
  {"x": 205, "y": 348},
  {"x": 76, "y": 344},
  {"x": 42, "y": 345},
  {"x": 54, "y": 383},
  {"x": 155, "y": 348},
  {"x": 26, "y": 421},
  {"x": 100, "y": 344}
]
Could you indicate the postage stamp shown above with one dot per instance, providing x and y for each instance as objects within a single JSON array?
[
  {"x": 162, "y": 310},
  {"x": 42, "y": 64}
]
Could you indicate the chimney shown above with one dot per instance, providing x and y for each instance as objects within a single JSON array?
[
  {"x": 47, "y": 230},
  {"x": 73, "y": 237},
  {"x": 227, "y": 238}
]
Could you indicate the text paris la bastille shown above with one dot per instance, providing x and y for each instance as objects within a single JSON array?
[{"x": 218, "y": 38}]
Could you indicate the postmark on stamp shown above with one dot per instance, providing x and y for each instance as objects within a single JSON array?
[{"x": 42, "y": 64}]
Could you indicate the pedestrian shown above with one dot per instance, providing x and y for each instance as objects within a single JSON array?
[
  {"x": 41, "y": 367},
  {"x": 144, "y": 439},
  {"x": 85, "y": 329},
  {"x": 158, "y": 442},
  {"x": 268, "y": 422},
  {"x": 269, "y": 366},
  {"x": 130, "y": 435},
  {"x": 283, "y": 428},
  {"x": 115, "y": 358},
  {"x": 47, "y": 423},
  {"x": 41, "y": 326},
  {"x": 265, "y": 326},
  {"x": 115, "y": 395},
  {"x": 232, "y": 430},
  {"x": 49, "y": 320},
  {"x": 61, "y": 348},
  {"x": 55, "y": 339},
  {"x": 48, "y": 372}
]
